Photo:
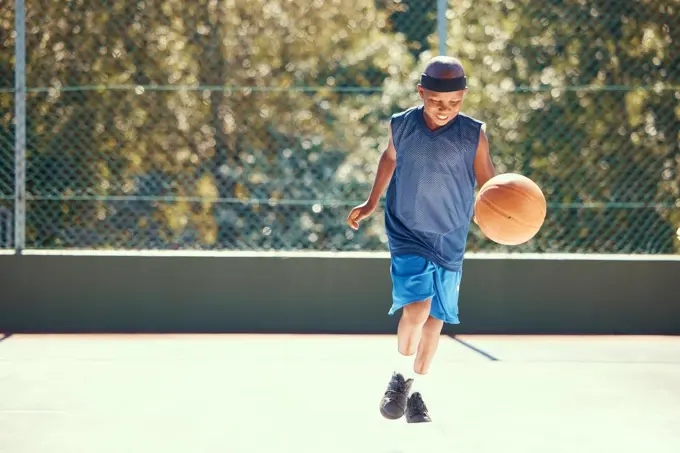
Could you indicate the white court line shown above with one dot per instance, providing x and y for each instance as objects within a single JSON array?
[{"x": 350, "y": 255}]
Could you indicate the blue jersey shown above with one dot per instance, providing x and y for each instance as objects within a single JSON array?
[{"x": 430, "y": 199}]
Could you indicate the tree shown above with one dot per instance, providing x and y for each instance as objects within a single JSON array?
[
  {"x": 602, "y": 156},
  {"x": 256, "y": 124},
  {"x": 221, "y": 148},
  {"x": 600, "y": 135}
]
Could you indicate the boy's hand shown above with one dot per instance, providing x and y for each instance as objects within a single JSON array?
[{"x": 359, "y": 213}]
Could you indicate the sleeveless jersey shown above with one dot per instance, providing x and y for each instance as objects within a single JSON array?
[{"x": 430, "y": 198}]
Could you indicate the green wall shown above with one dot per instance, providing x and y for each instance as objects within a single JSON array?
[{"x": 224, "y": 293}]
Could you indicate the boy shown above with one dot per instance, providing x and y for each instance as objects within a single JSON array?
[{"x": 434, "y": 157}]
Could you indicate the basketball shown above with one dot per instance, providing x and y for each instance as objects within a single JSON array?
[{"x": 510, "y": 209}]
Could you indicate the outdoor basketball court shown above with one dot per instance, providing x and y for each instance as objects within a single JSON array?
[{"x": 277, "y": 393}]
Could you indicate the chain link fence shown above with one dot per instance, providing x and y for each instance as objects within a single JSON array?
[
  {"x": 256, "y": 125},
  {"x": 6, "y": 125}
]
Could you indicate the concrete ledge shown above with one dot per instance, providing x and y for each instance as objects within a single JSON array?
[{"x": 254, "y": 292}]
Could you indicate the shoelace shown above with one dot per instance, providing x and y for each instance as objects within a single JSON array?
[
  {"x": 396, "y": 386},
  {"x": 418, "y": 406}
]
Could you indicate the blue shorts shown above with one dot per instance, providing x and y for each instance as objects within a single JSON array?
[{"x": 415, "y": 279}]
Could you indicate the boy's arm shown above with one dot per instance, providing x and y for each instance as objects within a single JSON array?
[
  {"x": 483, "y": 166},
  {"x": 386, "y": 166}
]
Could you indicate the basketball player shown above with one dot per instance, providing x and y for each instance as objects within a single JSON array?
[{"x": 434, "y": 157}]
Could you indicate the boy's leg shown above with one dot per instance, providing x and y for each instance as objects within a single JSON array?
[
  {"x": 429, "y": 342},
  {"x": 444, "y": 308},
  {"x": 409, "y": 334},
  {"x": 413, "y": 286},
  {"x": 410, "y": 328},
  {"x": 416, "y": 410}
]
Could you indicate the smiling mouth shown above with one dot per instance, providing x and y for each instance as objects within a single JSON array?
[{"x": 440, "y": 117}]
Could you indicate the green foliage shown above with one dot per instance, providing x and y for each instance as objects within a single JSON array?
[{"x": 257, "y": 124}]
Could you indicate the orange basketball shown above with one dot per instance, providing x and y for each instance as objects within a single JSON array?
[{"x": 510, "y": 209}]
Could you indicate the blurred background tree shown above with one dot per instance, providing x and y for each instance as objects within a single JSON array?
[{"x": 257, "y": 124}]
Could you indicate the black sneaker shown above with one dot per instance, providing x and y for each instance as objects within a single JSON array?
[
  {"x": 416, "y": 411},
  {"x": 393, "y": 403}
]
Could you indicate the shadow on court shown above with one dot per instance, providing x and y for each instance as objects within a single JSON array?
[
  {"x": 4, "y": 336},
  {"x": 296, "y": 393},
  {"x": 470, "y": 346}
]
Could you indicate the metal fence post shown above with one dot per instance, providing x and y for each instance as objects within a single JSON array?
[
  {"x": 441, "y": 25},
  {"x": 20, "y": 127}
]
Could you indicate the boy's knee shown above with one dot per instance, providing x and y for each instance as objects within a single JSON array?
[
  {"x": 417, "y": 312},
  {"x": 433, "y": 326}
]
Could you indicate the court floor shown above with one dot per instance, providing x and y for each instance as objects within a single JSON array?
[{"x": 279, "y": 393}]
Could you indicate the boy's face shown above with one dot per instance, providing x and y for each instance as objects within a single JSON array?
[{"x": 441, "y": 107}]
